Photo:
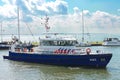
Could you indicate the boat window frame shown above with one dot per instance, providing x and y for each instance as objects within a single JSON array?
[{"x": 58, "y": 42}]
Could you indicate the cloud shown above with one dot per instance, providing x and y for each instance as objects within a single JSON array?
[
  {"x": 40, "y": 7},
  {"x": 103, "y": 19},
  {"x": 76, "y": 11},
  {"x": 33, "y": 7},
  {"x": 94, "y": 22},
  {"x": 104, "y": 22},
  {"x": 7, "y": 11},
  {"x": 31, "y": 12},
  {"x": 52, "y": 8}
]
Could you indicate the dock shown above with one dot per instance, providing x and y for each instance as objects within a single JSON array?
[{"x": 96, "y": 43}]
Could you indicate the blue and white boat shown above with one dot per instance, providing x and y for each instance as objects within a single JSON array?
[{"x": 58, "y": 50}]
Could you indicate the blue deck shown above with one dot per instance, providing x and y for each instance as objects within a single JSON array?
[{"x": 96, "y": 60}]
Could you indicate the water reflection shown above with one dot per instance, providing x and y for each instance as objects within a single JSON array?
[{"x": 32, "y": 71}]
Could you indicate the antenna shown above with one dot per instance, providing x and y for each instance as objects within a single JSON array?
[{"x": 46, "y": 24}]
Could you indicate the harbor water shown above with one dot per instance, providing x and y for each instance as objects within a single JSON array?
[{"x": 13, "y": 70}]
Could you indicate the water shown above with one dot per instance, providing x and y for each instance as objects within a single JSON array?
[{"x": 13, "y": 70}]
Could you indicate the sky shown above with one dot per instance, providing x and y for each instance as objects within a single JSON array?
[{"x": 65, "y": 16}]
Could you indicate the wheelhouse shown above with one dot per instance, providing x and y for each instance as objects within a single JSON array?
[{"x": 58, "y": 42}]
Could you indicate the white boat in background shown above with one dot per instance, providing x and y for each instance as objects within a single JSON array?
[{"x": 111, "y": 42}]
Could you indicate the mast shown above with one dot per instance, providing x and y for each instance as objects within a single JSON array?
[
  {"x": 18, "y": 23},
  {"x": 1, "y": 32},
  {"x": 82, "y": 26},
  {"x": 46, "y": 23}
]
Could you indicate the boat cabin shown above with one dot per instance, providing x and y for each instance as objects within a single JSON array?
[
  {"x": 112, "y": 40},
  {"x": 62, "y": 41}
]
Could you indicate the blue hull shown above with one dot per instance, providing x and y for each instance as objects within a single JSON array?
[{"x": 96, "y": 60}]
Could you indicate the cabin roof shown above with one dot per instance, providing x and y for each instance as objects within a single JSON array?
[
  {"x": 58, "y": 38},
  {"x": 111, "y": 38}
]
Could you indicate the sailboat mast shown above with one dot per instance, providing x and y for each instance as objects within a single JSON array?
[
  {"x": 82, "y": 27},
  {"x": 18, "y": 23},
  {"x": 1, "y": 32}
]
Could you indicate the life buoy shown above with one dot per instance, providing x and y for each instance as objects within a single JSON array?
[{"x": 88, "y": 50}]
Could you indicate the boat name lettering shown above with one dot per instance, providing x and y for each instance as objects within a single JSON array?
[
  {"x": 103, "y": 59},
  {"x": 93, "y": 59}
]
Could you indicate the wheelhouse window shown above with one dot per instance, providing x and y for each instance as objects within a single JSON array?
[{"x": 58, "y": 42}]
